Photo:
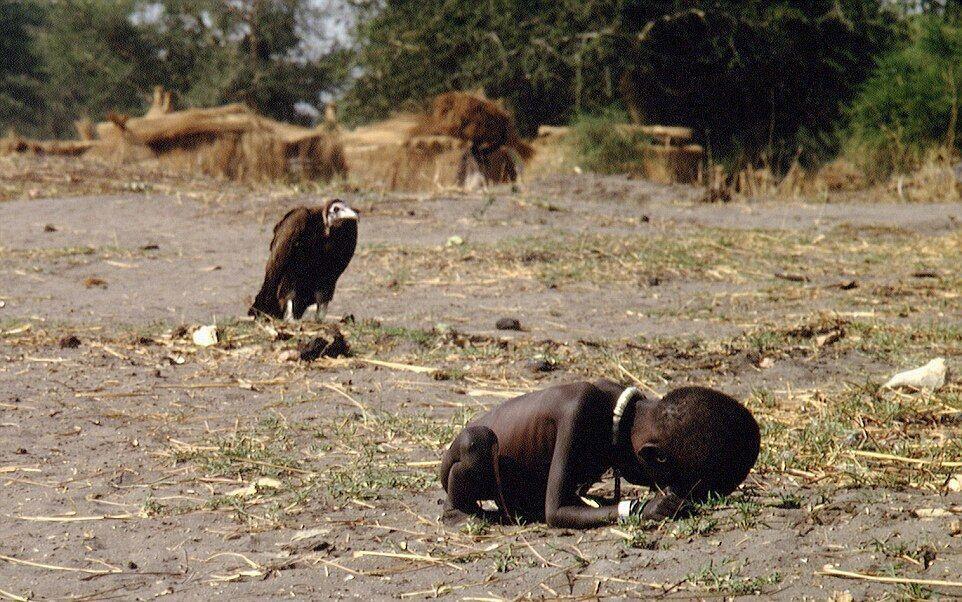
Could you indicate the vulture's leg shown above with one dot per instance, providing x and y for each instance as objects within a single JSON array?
[
  {"x": 321, "y": 312},
  {"x": 300, "y": 306},
  {"x": 289, "y": 312},
  {"x": 322, "y": 301}
]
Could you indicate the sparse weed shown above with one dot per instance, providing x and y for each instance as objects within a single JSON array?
[{"x": 710, "y": 579}]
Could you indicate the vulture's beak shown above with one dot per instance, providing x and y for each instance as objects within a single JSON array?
[{"x": 347, "y": 213}]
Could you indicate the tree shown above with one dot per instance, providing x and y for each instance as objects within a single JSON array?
[
  {"x": 547, "y": 58},
  {"x": 95, "y": 59},
  {"x": 19, "y": 64},
  {"x": 759, "y": 81},
  {"x": 250, "y": 51},
  {"x": 97, "y": 56},
  {"x": 753, "y": 78},
  {"x": 910, "y": 104}
]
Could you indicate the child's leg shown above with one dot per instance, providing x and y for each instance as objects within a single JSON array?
[{"x": 468, "y": 475}]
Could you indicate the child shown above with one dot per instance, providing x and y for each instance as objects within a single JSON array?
[{"x": 535, "y": 453}]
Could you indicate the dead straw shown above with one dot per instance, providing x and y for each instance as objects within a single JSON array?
[
  {"x": 831, "y": 571},
  {"x": 54, "y": 567},
  {"x": 894, "y": 458}
]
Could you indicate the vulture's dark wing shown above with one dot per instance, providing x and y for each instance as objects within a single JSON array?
[{"x": 286, "y": 234}]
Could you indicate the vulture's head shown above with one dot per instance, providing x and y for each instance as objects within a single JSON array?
[{"x": 336, "y": 213}]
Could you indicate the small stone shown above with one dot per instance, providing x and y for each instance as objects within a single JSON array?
[
  {"x": 508, "y": 324},
  {"x": 50, "y": 228},
  {"x": 454, "y": 241},
  {"x": 205, "y": 336},
  {"x": 69, "y": 342},
  {"x": 288, "y": 355},
  {"x": 929, "y": 377},
  {"x": 955, "y": 528},
  {"x": 175, "y": 360},
  {"x": 542, "y": 365},
  {"x": 94, "y": 282}
]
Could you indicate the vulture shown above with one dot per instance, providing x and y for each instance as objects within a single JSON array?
[{"x": 310, "y": 250}]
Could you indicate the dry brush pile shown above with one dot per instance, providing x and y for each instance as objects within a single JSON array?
[
  {"x": 428, "y": 151},
  {"x": 231, "y": 141}
]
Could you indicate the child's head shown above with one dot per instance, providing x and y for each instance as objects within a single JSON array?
[{"x": 694, "y": 441}]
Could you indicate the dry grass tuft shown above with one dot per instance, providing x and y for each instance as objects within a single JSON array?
[{"x": 934, "y": 180}]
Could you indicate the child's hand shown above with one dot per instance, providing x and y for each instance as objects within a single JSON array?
[
  {"x": 629, "y": 508},
  {"x": 663, "y": 506}
]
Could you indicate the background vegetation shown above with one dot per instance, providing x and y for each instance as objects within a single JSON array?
[
  {"x": 909, "y": 106},
  {"x": 768, "y": 81}
]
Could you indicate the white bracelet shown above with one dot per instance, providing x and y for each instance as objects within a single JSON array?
[{"x": 624, "y": 508}]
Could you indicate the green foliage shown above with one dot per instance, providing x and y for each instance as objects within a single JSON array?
[
  {"x": 910, "y": 103},
  {"x": 601, "y": 148},
  {"x": 251, "y": 52},
  {"x": 95, "y": 60},
  {"x": 73, "y": 58},
  {"x": 752, "y": 78},
  {"x": 548, "y": 58},
  {"x": 757, "y": 80},
  {"x": 19, "y": 69}
]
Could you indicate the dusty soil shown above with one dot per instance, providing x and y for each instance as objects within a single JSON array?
[{"x": 137, "y": 465}]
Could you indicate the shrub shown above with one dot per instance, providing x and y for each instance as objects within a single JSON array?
[
  {"x": 600, "y": 147},
  {"x": 909, "y": 105}
]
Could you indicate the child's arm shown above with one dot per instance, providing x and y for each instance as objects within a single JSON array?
[
  {"x": 562, "y": 506},
  {"x": 564, "y": 509}
]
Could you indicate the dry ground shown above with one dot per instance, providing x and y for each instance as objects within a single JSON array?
[{"x": 137, "y": 465}]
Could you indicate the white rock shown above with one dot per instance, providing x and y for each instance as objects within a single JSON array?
[
  {"x": 205, "y": 336},
  {"x": 931, "y": 376},
  {"x": 267, "y": 483},
  {"x": 258, "y": 485},
  {"x": 288, "y": 355}
]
